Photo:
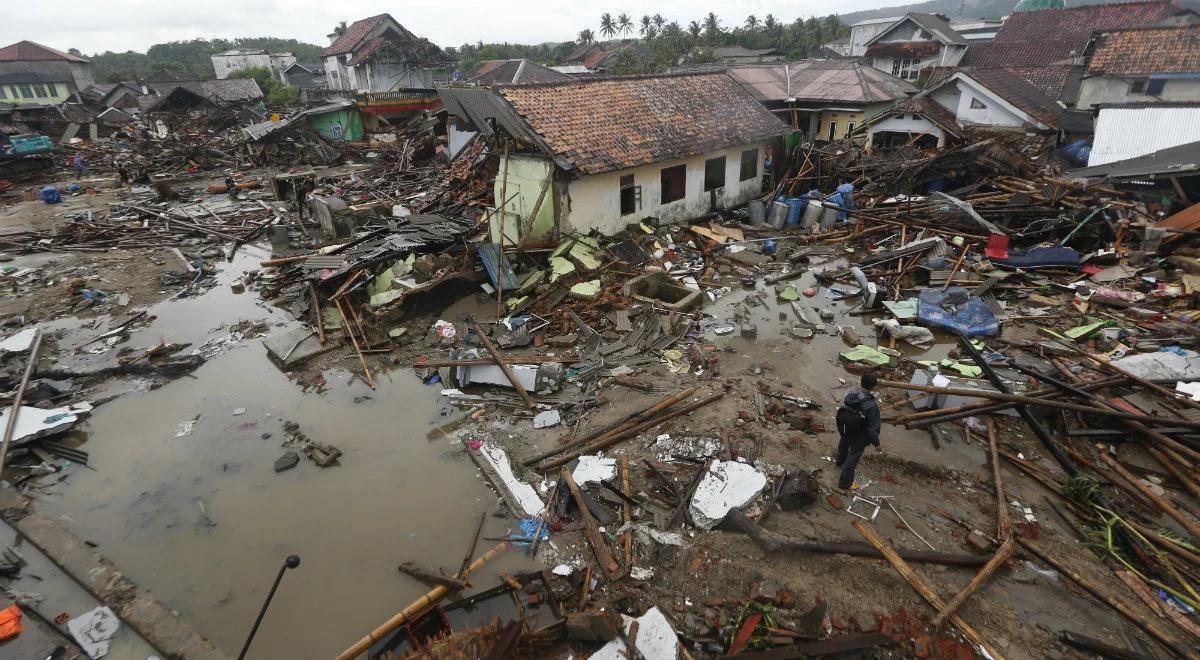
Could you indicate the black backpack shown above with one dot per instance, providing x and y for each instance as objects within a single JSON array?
[{"x": 851, "y": 422}]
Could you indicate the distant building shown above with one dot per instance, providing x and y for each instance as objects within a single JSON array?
[
  {"x": 593, "y": 57},
  {"x": 1142, "y": 65},
  {"x": 826, "y": 99},
  {"x": 514, "y": 72},
  {"x": 976, "y": 29},
  {"x": 913, "y": 43},
  {"x": 45, "y": 66},
  {"x": 377, "y": 54},
  {"x": 236, "y": 59},
  {"x": 603, "y": 154},
  {"x": 34, "y": 88},
  {"x": 740, "y": 55}
]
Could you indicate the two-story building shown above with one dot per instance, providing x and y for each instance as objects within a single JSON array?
[
  {"x": 377, "y": 54},
  {"x": 24, "y": 88},
  {"x": 913, "y": 43},
  {"x": 1142, "y": 65},
  {"x": 36, "y": 65},
  {"x": 600, "y": 155}
]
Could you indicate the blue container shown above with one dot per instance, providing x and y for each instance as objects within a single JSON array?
[{"x": 795, "y": 208}]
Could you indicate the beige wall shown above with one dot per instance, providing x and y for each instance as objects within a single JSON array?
[
  {"x": 1104, "y": 89},
  {"x": 842, "y": 121},
  {"x": 594, "y": 202}
]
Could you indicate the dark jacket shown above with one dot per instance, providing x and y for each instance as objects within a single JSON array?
[{"x": 865, "y": 403}]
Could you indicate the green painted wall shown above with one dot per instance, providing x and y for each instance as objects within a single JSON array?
[
  {"x": 526, "y": 176},
  {"x": 52, "y": 93},
  {"x": 350, "y": 120}
]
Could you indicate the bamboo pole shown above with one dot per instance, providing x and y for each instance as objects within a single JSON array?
[
  {"x": 1161, "y": 502},
  {"x": 592, "y": 530},
  {"x": 1142, "y": 622},
  {"x": 1034, "y": 401},
  {"x": 627, "y": 511},
  {"x": 1002, "y": 555},
  {"x": 312, "y": 288},
  {"x": 1003, "y": 520},
  {"x": 500, "y": 251},
  {"x": 354, "y": 340},
  {"x": 980, "y": 407},
  {"x": 950, "y": 276},
  {"x": 15, "y": 410},
  {"x": 420, "y": 605},
  {"x": 615, "y": 427},
  {"x": 922, "y": 587},
  {"x": 614, "y": 439}
]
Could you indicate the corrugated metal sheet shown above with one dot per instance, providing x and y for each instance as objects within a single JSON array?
[
  {"x": 1129, "y": 132},
  {"x": 489, "y": 254}
]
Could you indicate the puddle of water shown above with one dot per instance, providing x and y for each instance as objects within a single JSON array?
[{"x": 396, "y": 496}]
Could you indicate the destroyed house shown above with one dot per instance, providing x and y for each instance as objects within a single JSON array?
[
  {"x": 988, "y": 99},
  {"x": 52, "y": 66},
  {"x": 607, "y": 153},
  {"x": 229, "y": 90},
  {"x": 1142, "y": 65},
  {"x": 826, "y": 99},
  {"x": 377, "y": 54},
  {"x": 913, "y": 43}
]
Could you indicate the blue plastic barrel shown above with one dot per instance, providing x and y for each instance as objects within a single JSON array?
[{"x": 795, "y": 208}]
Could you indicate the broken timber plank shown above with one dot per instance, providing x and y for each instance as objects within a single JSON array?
[{"x": 1002, "y": 555}]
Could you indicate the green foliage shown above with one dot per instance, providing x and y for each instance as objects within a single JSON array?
[
  {"x": 665, "y": 45},
  {"x": 275, "y": 92},
  {"x": 192, "y": 57}
]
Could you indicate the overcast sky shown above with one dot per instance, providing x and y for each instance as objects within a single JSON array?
[{"x": 120, "y": 25}]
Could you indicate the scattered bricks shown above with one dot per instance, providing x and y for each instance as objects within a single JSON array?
[
  {"x": 593, "y": 626},
  {"x": 834, "y": 502},
  {"x": 978, "y": 541},
  {"x": 562, "y": 341},
  {"x": 714, "y": 601},
  {"x": 766, "y": 592},
  {"x": 785, "y": 599},
  {"x": 534, "y": 599},
  {"x": 747, "y": 415}
]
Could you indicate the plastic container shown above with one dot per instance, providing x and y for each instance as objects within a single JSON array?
[
  {"x": 795, "y": 208},
  {"x": 758, "y": 212},
  {"x": 812, "y": 214},
  {"x": 779, "y": 214},
  {"x": 828, "y": 218}
]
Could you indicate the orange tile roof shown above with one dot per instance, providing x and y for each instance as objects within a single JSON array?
[
  {"x": 1146, "y": 51},
  {"x": 26, "y": 51},
  {"x": 616, "y": 123}
]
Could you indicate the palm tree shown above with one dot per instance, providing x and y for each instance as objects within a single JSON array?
[
  {"x": 694, "y": 29},
  {"x": 586, "y": 37},
  {"x": 646, "y": 23},
  {"x": 712, "y": 26},
  {"x": 659, "y": 21},
  {"x": 608, "y": 27},
  {"x": 752, "y": 22},
  {"x": 624, "y": 24}
]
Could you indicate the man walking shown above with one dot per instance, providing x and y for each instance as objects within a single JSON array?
[{"x": 858, "y": 425}]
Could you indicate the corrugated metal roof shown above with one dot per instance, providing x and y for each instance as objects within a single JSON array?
[
  {"x": 1129, "y": 132},
  {"x": 820, "y": 80},
  {"x": 1184, "y": 159}
]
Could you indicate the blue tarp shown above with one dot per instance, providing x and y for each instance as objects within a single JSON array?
[{"x": 937, "y": 309}]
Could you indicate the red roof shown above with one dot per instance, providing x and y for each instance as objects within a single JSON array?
[
  {"x": 596, "y": 59},
  {"x": 27, "y": 51},
  {"x": 1045, "y": 36},
  {"x": 357, "y": 31},
  {"x": 1153, "y": 50}
]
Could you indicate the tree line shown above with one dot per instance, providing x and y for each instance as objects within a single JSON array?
[
  {"x": 653, "y": 44},
  {"x": 189, "y": 59}
]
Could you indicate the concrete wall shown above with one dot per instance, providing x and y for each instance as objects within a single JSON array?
[
  {"x": 279, "y": 63},
  {"x": 841, "y": 121},
  {"x": 349, "y": 120},
  {"x": 594, "y": 202},
  {"x": 526, "y": 177},
  {"x": 52, "y": 93},
  {"x": 336, "y": 73},
  {"x": 1098, "y": 90},
  {"x": 223, "y": 65},
  {"x": 391, "y": 76},
  {"x": 994, "y": 114}
]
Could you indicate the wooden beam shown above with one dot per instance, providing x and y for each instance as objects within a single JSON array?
[{"x": 1002, "y": 555}]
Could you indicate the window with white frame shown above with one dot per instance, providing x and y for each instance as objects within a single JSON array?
[{"x": 906, "y": 68}]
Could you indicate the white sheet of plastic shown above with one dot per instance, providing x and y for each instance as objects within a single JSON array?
[
  {"x": 655, "y": 640},
  {"x": 727, "y": 485}
]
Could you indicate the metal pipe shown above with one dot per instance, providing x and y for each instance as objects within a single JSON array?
[{"x": 292, "y": 561}]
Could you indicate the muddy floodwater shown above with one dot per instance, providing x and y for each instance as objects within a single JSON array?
[{"x": 395, "y": 497}]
